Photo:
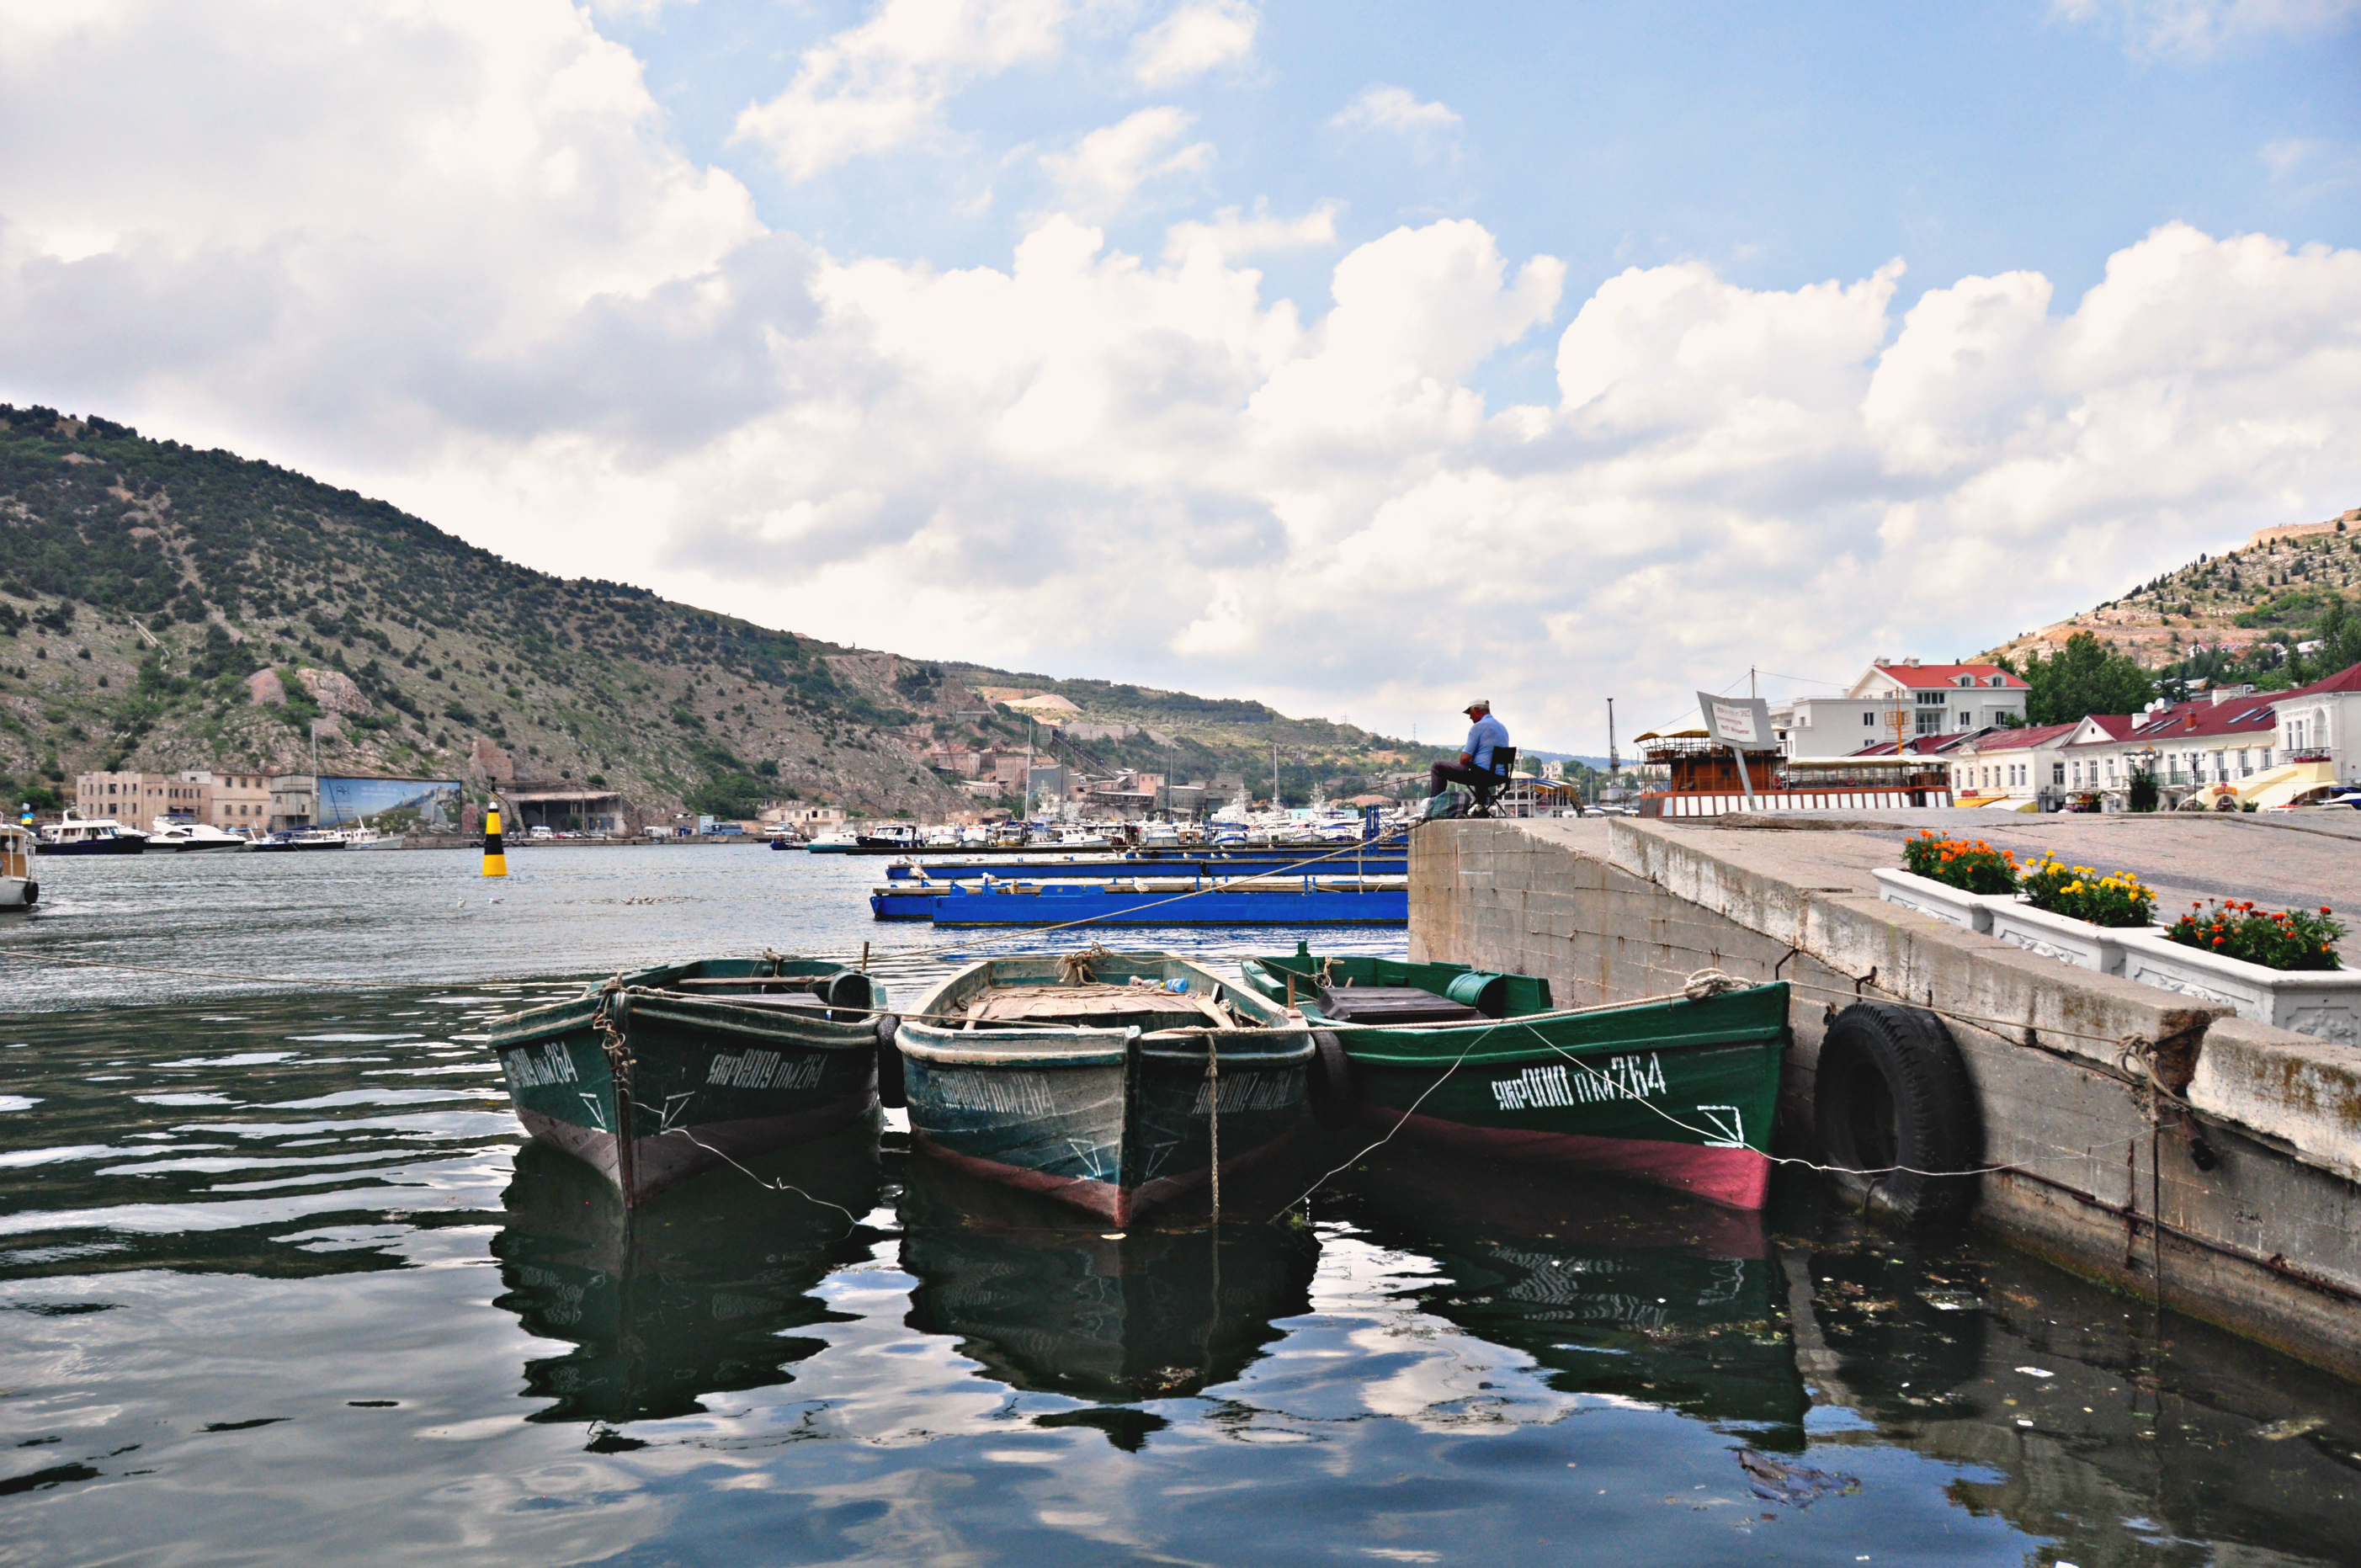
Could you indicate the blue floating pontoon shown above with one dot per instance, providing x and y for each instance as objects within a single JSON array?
[{"x": 1303, "y": 900}]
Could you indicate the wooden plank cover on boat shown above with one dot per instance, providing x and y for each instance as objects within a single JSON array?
[{"x": 1103, "y": 1005}]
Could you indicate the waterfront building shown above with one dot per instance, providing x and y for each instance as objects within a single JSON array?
[
  {"x": 231, "y": 801},
  {"x": 137, "y": 799},
  {"x": 2020, "y": 762},
  {"x": 1919, "y": 698}
]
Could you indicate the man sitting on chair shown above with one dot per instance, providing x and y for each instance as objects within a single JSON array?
[{"x": 1475, "y": 766}]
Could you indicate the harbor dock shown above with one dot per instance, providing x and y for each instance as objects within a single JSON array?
[{"x": 2147, "y": 1138}]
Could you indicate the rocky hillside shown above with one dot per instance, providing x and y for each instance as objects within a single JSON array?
[
  {"x": 163, "y": 608},
  {"x": 2277, "y": 590}
]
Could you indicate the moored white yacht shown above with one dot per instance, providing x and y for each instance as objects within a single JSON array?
[{"x": 183, "y": 837}]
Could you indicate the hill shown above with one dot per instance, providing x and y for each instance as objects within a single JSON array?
[
  {"x": 163, "y": 608},
  {"x": 2245, "y": 611}
]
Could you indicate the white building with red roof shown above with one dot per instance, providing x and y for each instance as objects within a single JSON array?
[
  {"x": 1918, "y": 698},
  {"x": 2322, "y": 722}
]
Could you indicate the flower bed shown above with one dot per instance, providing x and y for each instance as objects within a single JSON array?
[
  {"x": 1957, "y": 881},
  {"x": 1969, "y": 864},
  {"x": 2205, "y": 954},
  {"x": 2079, "y": 892},
  {"x": 2074, "y": 914},
  {"x": 2276, "y": 939}
]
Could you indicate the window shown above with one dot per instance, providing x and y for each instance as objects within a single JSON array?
[
  {"x": 1930, "y": 724},
  {"x": 2057, "y": 773},
  {"x": 1930, "y": 699},
  {"x": 1868, "y": 719}
]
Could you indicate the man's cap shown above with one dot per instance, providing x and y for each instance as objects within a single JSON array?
[{"x": 1484, "y": 703}]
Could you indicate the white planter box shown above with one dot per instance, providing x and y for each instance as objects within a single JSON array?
[
  {"x": 2322, "y": 1003},
  {"x": 2061, "y": 937},
  {"x": 1968, "y": 911}
]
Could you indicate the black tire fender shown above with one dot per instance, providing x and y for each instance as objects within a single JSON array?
[
  {"x": 1330, "y": 1086},
  {"x": 1893, "y": 1091},
  {"x": 890, "y": 1092}
]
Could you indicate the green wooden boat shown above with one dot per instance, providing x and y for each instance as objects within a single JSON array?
[
  {"x": 1085, "y": 1076},
  {"x": 658, "y": 1075},
  {"x": 1680, "y": 1093}
]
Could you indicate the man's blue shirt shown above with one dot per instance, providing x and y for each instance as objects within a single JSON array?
[{"x": 1486, "y": 733}]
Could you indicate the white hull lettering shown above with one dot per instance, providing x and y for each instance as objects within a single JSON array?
[
  {"x": 764, "y": 1070},
  {"x": 1252, "y": 1092},
  {"x": 531, "y": 1068},
  {"x": 1584, "y": 1084},
  {"x": 991, "y": 1094}
]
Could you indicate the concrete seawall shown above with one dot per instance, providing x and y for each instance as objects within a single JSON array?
[{"x": 2162, "y": 1145}]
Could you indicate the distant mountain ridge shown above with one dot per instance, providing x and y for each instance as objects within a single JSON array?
[{"x": 164, "y": 608}]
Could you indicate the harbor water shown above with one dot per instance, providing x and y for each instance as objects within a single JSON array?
[{"x": 279, "y": 1281}]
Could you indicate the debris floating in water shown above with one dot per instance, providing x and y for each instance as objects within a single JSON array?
[{"x": 1777, "y": 1481}]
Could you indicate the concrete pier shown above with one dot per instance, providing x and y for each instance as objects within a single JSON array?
[{"x": 2160, "y": 1145}]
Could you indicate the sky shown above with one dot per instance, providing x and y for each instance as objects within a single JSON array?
[{"x": 1362, "y": 359}]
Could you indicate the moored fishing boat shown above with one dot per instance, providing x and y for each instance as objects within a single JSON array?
[
  {"x": 657, "y": 1075},
  {"x": 1086, "y": 1076},
  {"x": 18, "y": 848},
  {"x": 1679, "y": 1093}
]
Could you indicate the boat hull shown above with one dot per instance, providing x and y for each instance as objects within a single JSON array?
[
  {"x": 1112, "y": 1121},
  {"x": 18, "y": 893},
  {"x": 698, "y": 1082},
  {"x": 1681, "y": 1094},
  {"x": 95, "y": 847}
]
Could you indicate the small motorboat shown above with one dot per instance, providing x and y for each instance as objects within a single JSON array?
[
  {"x": 181, "y": 838},
  {"x": 368, "y": 838},
  {"x": 658, "y": 1075},
  {"x": 305, "y": 838},
  {"x": 19, "y": 844},
  {"x": 1677, "y": 1092},
  {"x": 1092, "y": 1077},
  {"x": 74, "y": 834}
]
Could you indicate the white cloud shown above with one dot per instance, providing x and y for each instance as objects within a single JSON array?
[
  {"x": 1099, "y": 174},
  {"x": 883, "y": 86},
  {"x": 1380, "y": 107},
  {"x": 1230, "y": 235},
  {"x": 454, "y": 260},
  {"x": 1194, "y": 39},
  {"x": 2202, "y": 26}
]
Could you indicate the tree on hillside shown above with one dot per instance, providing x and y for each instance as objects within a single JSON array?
[{"x": 2086, "y": 677}]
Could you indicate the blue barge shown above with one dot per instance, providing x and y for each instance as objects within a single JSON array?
[
  {"x": 1324, "y": 860},
  {"x": 1303, "y": 900}
]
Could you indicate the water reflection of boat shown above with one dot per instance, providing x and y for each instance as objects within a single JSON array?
[
  {"x": 699, "y": 1294},
  {"x": 1613, "y": 1288},
  {"x": 1050, "y": 1301}
]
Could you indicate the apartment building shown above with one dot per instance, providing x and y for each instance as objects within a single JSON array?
[{"x": 137, "y": 799}]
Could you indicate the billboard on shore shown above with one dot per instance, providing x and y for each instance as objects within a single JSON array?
[{"x": 390, "y": 806}]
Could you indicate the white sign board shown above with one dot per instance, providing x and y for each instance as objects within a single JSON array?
[{"x": 1740, "y": 722}]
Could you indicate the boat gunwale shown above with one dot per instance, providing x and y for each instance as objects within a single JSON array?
[
  {"x": 537, "y": 1023},
  {"x": 1441, "y": 1040}
]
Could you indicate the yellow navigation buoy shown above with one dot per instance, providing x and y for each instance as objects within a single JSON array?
[{"x": 496, "y": 862}]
